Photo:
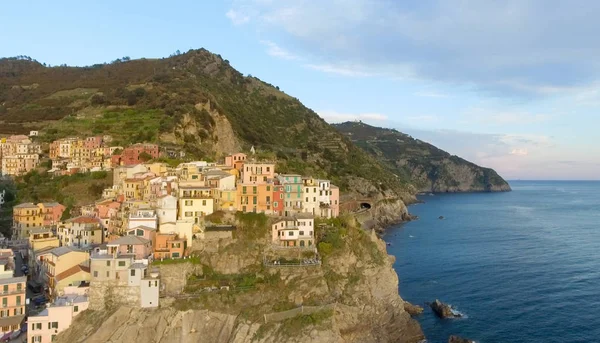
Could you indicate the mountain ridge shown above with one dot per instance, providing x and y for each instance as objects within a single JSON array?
[{"x": 429, "y": 168}]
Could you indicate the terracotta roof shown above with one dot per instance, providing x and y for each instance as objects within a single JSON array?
[
  {"x": 26, "y": 205},
  {"x": 84, "y": 220},
  {"x": 72, "y": 271}
]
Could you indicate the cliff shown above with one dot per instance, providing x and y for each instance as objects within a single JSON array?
[
  {"x": 351, "y": 297},
  {"x": 426, "y": 167}
]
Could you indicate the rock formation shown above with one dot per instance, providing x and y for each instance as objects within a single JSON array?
[
  {"x": 444, "y": 311},
  {"x": 456, "y": 339}
]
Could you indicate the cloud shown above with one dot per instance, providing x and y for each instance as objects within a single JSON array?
[
  {"x": 237, "y": 17},
  {"x": 519, "y": 152},
  {"x": 503, "y": 117},
  {"x": 344, "y": 70},
  {"x": 506, "y": 48},
  {"x": 276, "y": 51},
  {"x": 337, "y": 117}
]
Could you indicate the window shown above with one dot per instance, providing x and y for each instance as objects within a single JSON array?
[
  {"x": 254, "y": 200},
  {"x": 121, "y": 263},
  {"x": 189, "y": 214},
  {"x": 310, "y": 233},
  {"x": 244, "y": 190},
  {"x": 280, "y": 195},
  {"x": 95, "y": 273},
  {"x": 38, "y": 326},
  {"x": 18, "y": 300},
  {"x": 203, "y": 202},
  {"x": 108, "y": 263},
  {"x": 301, "y": 233},
  {"x": 275, "y": 204},
  {"x": 188, "y": 202},
  {"x": 107, "y": 274},
  {"x": 254, "y": 190},
  {"x": 35, "y": 339},
  {"x": 6, "y": 288},
  {"x": 4, "y": 302},
  {"x": 290, "y": 233},
  {"x": 75, "y": 308},
  {"x": 268, "y": 188},
  {"x": 53, "y": 325},
  {"x": 132, "y": 272}
]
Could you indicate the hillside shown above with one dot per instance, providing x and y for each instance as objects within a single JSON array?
[
  {"x": 351, "y": 297},
  {"x": 195, "y": 102},
  {"x": 428, "y": 168}
]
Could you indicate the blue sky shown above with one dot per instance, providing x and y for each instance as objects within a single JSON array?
[{"x": 512, "y": 85}]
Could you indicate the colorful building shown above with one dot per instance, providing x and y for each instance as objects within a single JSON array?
[
  {"x": 292, "y": 197},
  {"x": 81, "y": 232},
  {"x": 257, "y": 173},
  {"x": 58, "y": 316},
  {"x": 134, "y": 154},
  {"x": 296, "y": 231},
  {"x": 28, "y": 215},
  {"x": 63, "y": 267},
  {"x": 195, "y": 202},
  {"x": 169, "y": 245}
]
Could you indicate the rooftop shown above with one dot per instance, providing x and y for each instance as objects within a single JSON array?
[
  {"x": 62, "y": 251},
  {"x": 72, "y": 271},
  {"x": 143, "y": 227},
  {"x": 26, "y": 205},
  {"x": 129, "y": 240},
  {"x": 84, "y": 220},
  {"x": 15, "y": 279}
]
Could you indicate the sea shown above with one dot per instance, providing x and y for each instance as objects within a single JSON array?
[{"x": 522, "y": 266}]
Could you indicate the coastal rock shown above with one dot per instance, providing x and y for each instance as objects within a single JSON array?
[
  {"x": 441, "y": 217},
  {"x": 443, "y": 311},
  {"x": 456, "y": 339},
  {"x": 413, "y": 310}
]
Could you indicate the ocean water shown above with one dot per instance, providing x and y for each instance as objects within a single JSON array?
[{"x": 523, "y": 266}]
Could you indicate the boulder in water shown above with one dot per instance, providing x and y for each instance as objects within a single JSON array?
[
  {"x": 456, "y": 339},
  {"x": 441, "y": 217},
  {"x": 444, "y": 311}
]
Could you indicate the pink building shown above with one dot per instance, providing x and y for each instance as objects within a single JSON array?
[
  {"x": 58, "y": 316},
  {"x": 139, "y": 247},
  {"x": 234, "y": 159},
  {"x": 52, "y": 212},
  {"x": 146, "y": 232},
  {"x": 93, "y": 142},
  {"x": 334, "y": 201}
]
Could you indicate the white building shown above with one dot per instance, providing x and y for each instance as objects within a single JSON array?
[
  {"x": 143, "y": 217},
  {"x": 166, "y": 208},
  {"x": 297, "y": 231}
]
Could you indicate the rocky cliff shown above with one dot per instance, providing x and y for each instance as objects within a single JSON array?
[
  {"x": 426, "y": 167},
  {"x": 351, "y": 297}
]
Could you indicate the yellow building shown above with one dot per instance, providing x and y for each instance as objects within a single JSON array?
[
  {"x": 19, "y": 164},
  {"x": 195, "y": 202},
  {"x": 27, "y": 216},
  {"x": 40, "y": 238},
  {"x": 158, "y": 168},
  {"x": 133, "y": 189},
  {"x": 65, "y": 266},
  {"x": 225, "y": 200}
]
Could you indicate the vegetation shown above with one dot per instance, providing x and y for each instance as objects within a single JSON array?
[
  {"x": 174, "y": 100},
  {"x": 418, "y": 162},
  {"x": 70, "y": 190}
]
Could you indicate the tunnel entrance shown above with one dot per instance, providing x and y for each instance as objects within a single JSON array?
[{"x": 365, "y": 206}]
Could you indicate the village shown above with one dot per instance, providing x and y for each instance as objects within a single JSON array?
[{"x": 153, "y": 212}]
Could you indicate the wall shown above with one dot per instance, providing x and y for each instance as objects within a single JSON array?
[{"x": 108, "y": 295}]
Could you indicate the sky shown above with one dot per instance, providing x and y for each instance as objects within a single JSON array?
[{"x": 511, "y": 85}]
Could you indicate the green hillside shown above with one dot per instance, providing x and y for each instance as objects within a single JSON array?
[
  {"x": 428, "y": 168},
  {"x": 195, "y": 102}
]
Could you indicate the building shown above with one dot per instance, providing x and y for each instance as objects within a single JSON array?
[
  {"x": 19, "y": 164},
  {"x": 81, "y": 232},
  {"x": 58, "y": 316},
  {"x": 195, "y": 202},
  {"x": 166, "y": 209},
  {"x": 256, "y": 173},
  {"x": 146, "y": 232},
  {"x": 255, "y": 197},
  {"x": 63, "y": 267},
  {"x": 143, "y": 217},
  {"x": 292, "y": 197},
  {"x": 235, "y": 160},
  {"x": 136, "y": 154},
  {"x": 27, "y": 216},
  {"x": 130, "y": 281},
  {"x": 182, "y": 228},
  {"x": 138, "y": 247},
  {"x": 40, "y": 238},
  {"x": 310, "y": 196},
  {"x": 296, "y": 231},
  {"x": 278, "y": 199},
  {"x": 169, "y": 245},
  {"x": 12, "y": 295}
]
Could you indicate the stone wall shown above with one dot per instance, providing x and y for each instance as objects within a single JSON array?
[
  {"x": 107, "y": 295},
  {"x": 173, "y": 277}
]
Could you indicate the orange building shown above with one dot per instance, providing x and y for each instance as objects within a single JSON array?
[
  {"x": 169, "y": 245},
  {"x": 255, "y": 198}
]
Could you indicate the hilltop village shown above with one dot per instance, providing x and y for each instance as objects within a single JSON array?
[{"x": 152, "y": 212}]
